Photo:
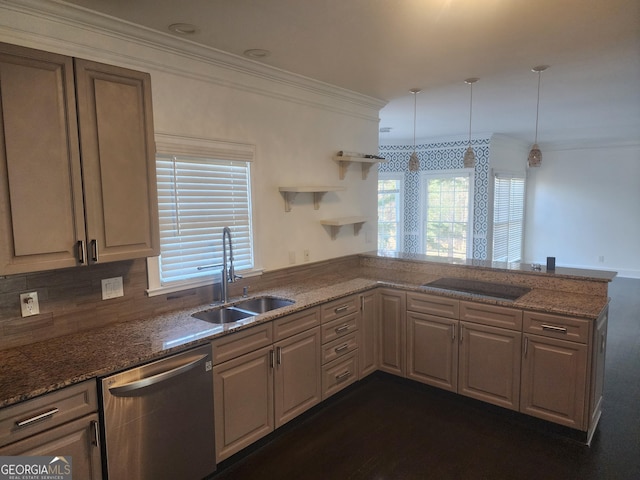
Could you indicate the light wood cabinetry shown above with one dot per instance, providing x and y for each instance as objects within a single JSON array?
[
  {"x": 490, "y": 341},
  {"x": 368, "y": 333},
  {"x": 82, "y": 171},
  {"x": 340, "y": 320},
  {"x": 432, "y": 345},
  {"x": 63, "y": 423},
  {"x": 554, "y": 370},
  {"x": 260, "y": 384},
  {"x": 392, "y": 329},
  {"x": 598, "y": 354}
]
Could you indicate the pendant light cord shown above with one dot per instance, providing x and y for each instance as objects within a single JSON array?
[
  {"x": 415, "y": 101},
  {"x": 470, "y": 110},
  {"x": 538, "y": 106}
]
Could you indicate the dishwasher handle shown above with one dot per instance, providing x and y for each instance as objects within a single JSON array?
[{"x": 129, "y": 389}]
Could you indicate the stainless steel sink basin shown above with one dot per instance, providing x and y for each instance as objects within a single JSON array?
[
  {"x": 222, "y": 315},
  {"x": 242, "y": 310},
  {"x": 479, "y": 288},
  {"x": 263, "y": 304}
]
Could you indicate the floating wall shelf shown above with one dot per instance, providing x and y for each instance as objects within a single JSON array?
[
  {"x": 365, "y": 164},
  {"x": 336, "y": 223},
  {"x": 318, "y": 192}
]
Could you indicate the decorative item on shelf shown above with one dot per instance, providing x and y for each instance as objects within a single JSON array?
[
  {"x": 469, "y": 159},
  {"x": 535, "y": 155},
  {"x": 414, "y": 162},
  {"x": 366, "y": 160}
]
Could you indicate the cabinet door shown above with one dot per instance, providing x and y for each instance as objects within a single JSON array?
[
  {"x": 554, "y": 380},
  {"x": 367, "y": 330},
  {"x": 41, "y": 209},
  {"x": 391, "y": 345},
  {"x": 489, "y": 364},
  {"x": 598, "y": 350},
  {"x": 243, "y": 401},
  {"x": 432, "y": 350},
  {"x": 298, "y": 384},
  {"x": 118, "y": 161},
  {"x": 77, "y": 439}
]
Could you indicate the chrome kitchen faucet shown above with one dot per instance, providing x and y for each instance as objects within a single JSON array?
[{"x": 228, "y": 273}]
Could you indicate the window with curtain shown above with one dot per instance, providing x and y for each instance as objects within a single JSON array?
[
  {"x": 447, "y": 213},
  {"x": 508, "y": 216},
  {"x": 203, "y": 186},
  {"x": 390, "y": 211}
]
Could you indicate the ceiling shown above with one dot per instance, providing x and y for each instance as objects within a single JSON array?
[{"x": 383, "y": 48}]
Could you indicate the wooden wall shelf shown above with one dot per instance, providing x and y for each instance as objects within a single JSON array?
[
  {"x": 337, "y": 223},
  {"x": 317, "y": 191},
  {"x": 365, "y": 164}
]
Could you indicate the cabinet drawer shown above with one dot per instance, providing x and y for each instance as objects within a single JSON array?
[
  {"x": 339, "y": 308},
  {"x": 48, "y": 411},
  {"x": 339, "y": 327},
  {"x": 556, "y": 326},
  {"x": 492, "y": 315},
  {"x": 236, "y": 344},
  {"x": 339, "y": 374},
  {"x": 433, "y": 305},
  {"x": 295, "y": 323},
  {"x": 339, "y": 347}
]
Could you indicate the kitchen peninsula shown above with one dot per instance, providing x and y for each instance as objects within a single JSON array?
[{"x": 561, "y": 322}]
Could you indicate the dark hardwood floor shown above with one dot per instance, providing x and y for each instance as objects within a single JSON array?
[{"x": 387, "y": 428}]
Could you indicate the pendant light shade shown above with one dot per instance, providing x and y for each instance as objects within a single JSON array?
[
  {"x": 469, "y": 158},
  {"x": 414, "y": 162},
  {"x": 535, "y": 155}
]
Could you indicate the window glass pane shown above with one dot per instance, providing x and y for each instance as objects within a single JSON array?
[
  {"x": 447, "y": 220},
  {"x": 508, "y": 217},
  {"x": 389, "y": 213}
]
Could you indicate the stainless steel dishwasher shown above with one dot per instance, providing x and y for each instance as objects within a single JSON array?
[{"x": 158, "y": 419}]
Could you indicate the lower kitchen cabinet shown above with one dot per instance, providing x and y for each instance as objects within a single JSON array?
[
  {"x": 260, "y": 390},
  {"x": 598, "y": 350},
  {"x": 77, "y": 439},
  {"x": 489, "y": 364},
  {"x": 432, "y": 350},
  {"x": 62, "y": 423},
  {"x": 392, "y": 330},
  {"x": 554, "y": 376},
  {"x": 367, "y": 343}
]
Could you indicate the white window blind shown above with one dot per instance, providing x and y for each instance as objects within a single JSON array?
[
  {"x": 508, "y": 217},
  {"x": 197, "y": 198}
]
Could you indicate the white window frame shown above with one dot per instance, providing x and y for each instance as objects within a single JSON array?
[
  {"x": 508, "y": 175},
  {"x": 398, "y": 176},
  {"x": 422, "y": 199},
  {"x": 194, "y": 147}
]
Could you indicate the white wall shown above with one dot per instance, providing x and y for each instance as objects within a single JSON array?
[
  {"x": 583, "y": 205},
  {"x": 296, "y": 124}
]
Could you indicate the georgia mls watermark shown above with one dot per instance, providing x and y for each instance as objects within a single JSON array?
[{"x": 35, "y": 468}]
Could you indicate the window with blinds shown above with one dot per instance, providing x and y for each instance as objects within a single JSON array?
[
  {"x": 508, "y": 217},
  {"x": 203, "y": 186}
]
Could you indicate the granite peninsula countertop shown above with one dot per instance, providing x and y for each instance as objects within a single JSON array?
[{"x": 39, "y": 368}]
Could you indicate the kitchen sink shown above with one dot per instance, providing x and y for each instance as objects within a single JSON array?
[
  {"x": 222, "y": 315},
  {"x": 263, "y": 304},
  {"x": 243, "y": 310},
  {"x": 479, "y": 288}
]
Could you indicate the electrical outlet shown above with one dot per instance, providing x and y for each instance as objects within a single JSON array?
[
  {"x": 29, "y": 304},
  {"x": 307, "y": 255},
  {"x": 601, "y": 259},
  {"x": 112, "y": 288}
]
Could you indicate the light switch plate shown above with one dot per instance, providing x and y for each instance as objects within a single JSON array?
[
  {"x": 29, "y": 304},
  {"x": 112, "y": 288}
]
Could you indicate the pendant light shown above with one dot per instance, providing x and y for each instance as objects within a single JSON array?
[
  {"x": 414, "y": 162},
  {"x": 469, "y": 159},
  {"x": 535, "y": 155}
]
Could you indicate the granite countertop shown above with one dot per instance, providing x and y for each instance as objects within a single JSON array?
[{"x": 39, "y": 368}]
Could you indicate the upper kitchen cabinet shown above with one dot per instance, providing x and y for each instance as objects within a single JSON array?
[{"x": 78, "y": 181}]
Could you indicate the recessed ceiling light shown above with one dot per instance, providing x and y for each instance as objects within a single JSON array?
[
  {"x": 183, "y": 28},
  {"x": 256, "y": 53}
]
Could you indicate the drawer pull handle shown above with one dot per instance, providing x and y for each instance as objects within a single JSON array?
[
  {"x": 341, "y": 308},
  {"x": 94, "y": 251},
  {"x": 37, "y": 418},
  {"x": 95, "y": 441},
  {"x": 279, "y": 355},
  {"x": 342, "y": 347},
  {"x": 343, "y": 376},
  {"x": 81, "y": 251},
  {"x": 553, "y": 328},
  {"x": 342, "y": 328}
]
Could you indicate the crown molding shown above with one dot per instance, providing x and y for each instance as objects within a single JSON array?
[{"x": 273, "y": 82}]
